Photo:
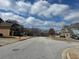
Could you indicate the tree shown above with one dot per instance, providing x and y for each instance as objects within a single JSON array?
[
  {"x": 12, "y": 21},
  {"x": 1, "y": 20},
  {"x": 16, "y": 28},
  {"x": 51, "y": 31}
]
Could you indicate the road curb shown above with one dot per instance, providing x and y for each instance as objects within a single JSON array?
[{"x": 65, "y": 53}]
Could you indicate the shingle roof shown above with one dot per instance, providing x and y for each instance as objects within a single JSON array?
[{"x": 5, "y": 24}]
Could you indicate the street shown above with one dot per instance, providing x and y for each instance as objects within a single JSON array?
[{"x": 35, "y": 48}]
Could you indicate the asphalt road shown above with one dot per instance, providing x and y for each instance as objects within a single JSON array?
[{"x": 35, "y": 48}]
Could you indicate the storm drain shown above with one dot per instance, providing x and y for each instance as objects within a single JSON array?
[{"x": 15, "y": 49}]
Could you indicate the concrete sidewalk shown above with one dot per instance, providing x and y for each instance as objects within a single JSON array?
[
  {"x": 6, "y": 41},
  {"x": 71, "y": 53}
]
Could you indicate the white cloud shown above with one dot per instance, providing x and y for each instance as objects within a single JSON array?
[
  {"x": 5, "y": 3},
  {"x": 22, "y": 6},
  {"x": 55, "y": 9},
  {"x": 58, "y": 9},
  {"x": 31, "y": 21},
  {"x": 11, "y": 16},
  {"x": 54, "y": 24},
  {"x": 34, "y": 21},
  {"x": 72, "y": 16},
  {"x": 18, "y": 7},
  {"x": 43, "y": 8},
  {"x": 39, "y": 7}
]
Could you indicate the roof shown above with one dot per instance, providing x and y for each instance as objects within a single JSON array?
[
  {"x": 75, "y": 31},
  {"x": 5, "y": 24}
]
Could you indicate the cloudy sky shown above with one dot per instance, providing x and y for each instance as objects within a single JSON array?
[{"x": 42, "y": 14}]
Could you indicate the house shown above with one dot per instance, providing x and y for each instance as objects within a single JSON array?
[
  {"x": 65, "y": 32},
  {"x": 71, "y": 31},
  {"x": 5, "y": 29}
]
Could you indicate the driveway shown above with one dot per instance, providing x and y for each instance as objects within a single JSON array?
[{"x": 35, "y": 48}]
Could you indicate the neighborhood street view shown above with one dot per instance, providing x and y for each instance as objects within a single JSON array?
[
  {"x": 39, "y": 29},
  {"x": 36, "y": 48}
]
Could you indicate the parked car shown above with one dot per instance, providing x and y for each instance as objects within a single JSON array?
[{"x": 75, "y": 36}]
